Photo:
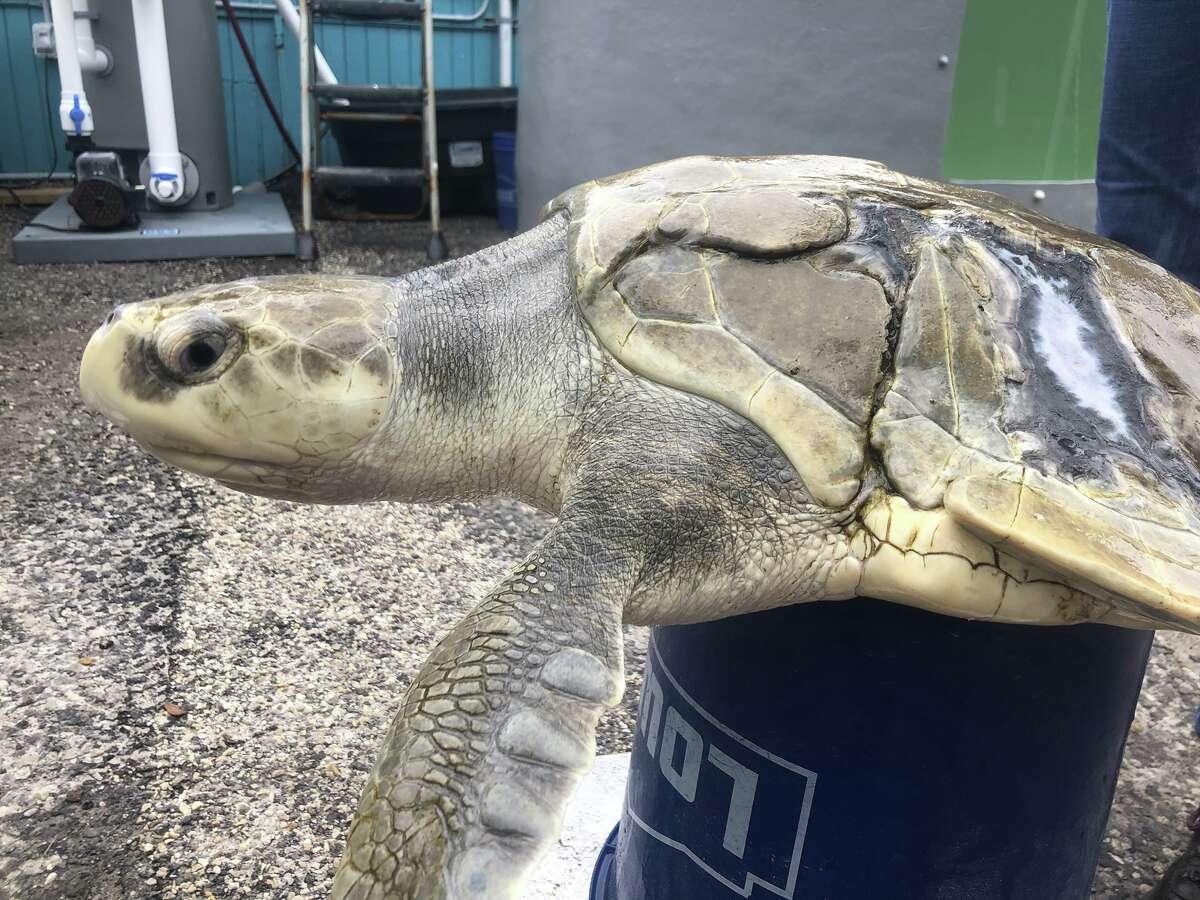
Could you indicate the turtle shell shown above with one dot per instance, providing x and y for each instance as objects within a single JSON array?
[{"x": 1028, "y": 389}]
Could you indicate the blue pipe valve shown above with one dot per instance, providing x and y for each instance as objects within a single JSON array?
[
  {"x": 166, "y": 187},
  {"x": 77, "y": 116}
]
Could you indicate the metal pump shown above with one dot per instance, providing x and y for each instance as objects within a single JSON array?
[
  {"x": 143, "y": 112},
  {"x": 103, "y": 197}
]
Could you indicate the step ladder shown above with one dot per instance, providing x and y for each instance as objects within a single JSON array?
[{"x": 409, "y": 103}]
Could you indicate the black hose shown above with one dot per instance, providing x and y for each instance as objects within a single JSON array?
[
  {"x": 52, "y": 130},
  {"x": 262, "y": 88}
]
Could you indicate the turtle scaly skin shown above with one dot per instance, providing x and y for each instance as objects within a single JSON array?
[{"x": 738, "y": 384}]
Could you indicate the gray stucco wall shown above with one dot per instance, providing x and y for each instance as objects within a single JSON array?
[{"x": 610, "y": 85}]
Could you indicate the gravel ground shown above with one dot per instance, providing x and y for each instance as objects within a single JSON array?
[{"x": 193, "y": 681}]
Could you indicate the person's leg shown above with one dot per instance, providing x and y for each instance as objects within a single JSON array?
[
  {"x": 1148, "y": 162},
  {"x": 1148, "y": 188}
]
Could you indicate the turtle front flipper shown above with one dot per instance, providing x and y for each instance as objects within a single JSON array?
[{"x": 495, "y": 731}]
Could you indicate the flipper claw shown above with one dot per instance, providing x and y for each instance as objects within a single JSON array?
[{"x": 494, "y": 734}]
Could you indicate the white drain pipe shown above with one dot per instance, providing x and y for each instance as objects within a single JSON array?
[
  {"x": 506, "y": 46},
  {"x": 92, "y": 57},
  {"x": 74, "y": 112},
  {"x": 291, "y": 18},
  {"x": 154, "y": 70}
]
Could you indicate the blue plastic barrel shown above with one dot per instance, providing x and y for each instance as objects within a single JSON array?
[
  {"x": 504, "y": 151},
  {"x": 861, "y": 749}
]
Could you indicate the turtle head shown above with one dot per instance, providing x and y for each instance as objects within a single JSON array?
[{"x": 274, "y": 386}]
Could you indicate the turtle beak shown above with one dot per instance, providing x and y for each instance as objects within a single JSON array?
[{"x": 100, "y": 368}]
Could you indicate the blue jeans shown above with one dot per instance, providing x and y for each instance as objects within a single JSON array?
[{"x": 1148, "y": 161}]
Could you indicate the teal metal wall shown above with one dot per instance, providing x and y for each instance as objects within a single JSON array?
[
  {"x": 25, "y": 137},
  {"x": 465, "y": 55}
]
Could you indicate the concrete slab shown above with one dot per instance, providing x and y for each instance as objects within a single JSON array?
[
  {"x": 566, "y": 873},
  {"x": 256, "y": 224}
]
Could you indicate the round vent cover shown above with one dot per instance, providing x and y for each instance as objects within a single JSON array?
[{"x": 100, "y": 203}]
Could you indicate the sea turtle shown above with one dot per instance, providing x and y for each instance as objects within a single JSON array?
[{"x": 739, "y": 383}]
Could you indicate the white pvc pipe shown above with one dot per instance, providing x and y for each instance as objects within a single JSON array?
[
  {"x": 305, "y": 36},
  {"x": 74, "y": 112},
  {"x": 92, "y": 57},
  {"x": 506, "y": 46},
  {"x": 479, "y": 13},
  {"x": 154, "y": 70},
  {"x": 469, "y": 17},
  {"x": 430, "y": 118},
  {"x": 291, "y": 19}
]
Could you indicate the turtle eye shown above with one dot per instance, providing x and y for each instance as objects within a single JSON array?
[
  {"x": 195, "y": 347},
  {"x": 201, "y": 354}
]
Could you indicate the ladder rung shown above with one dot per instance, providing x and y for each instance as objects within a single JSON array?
[
  {"x": 474, "y": 98},
  {"x": 369, "y": 9},
  {"x": 369, "y": 176},
  {"x": 372, "y": 93},
  {"x": 340, "y": 115},
  {"x": 391, "y": 98}
]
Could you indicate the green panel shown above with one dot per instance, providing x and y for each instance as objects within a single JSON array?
[{"x": 1027, "y": 86}]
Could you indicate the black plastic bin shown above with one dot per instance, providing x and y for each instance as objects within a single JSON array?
[{"x": 466, "y": 118}]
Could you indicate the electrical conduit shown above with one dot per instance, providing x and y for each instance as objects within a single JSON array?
[
  {"x": 291, "y": 18},
  {"x": 506, "y": 45}
]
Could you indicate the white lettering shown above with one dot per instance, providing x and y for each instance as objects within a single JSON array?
[
  {"x": 741, "y": 802},
  {"x": 684, "y": 781},
  {"x": 651, "y": 712}
]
